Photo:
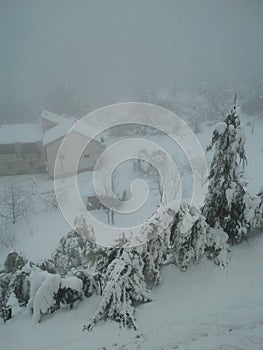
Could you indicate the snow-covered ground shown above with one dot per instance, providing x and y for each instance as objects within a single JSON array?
[
  {"x": 204, "y": 308},
  {"x": 39, "y": 237}
]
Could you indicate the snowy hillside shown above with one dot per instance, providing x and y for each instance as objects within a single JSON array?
[
  {"x": 207, "y": 308},
  {"x": 131, "y": 187},
  {"x": 38, "y": 236}
]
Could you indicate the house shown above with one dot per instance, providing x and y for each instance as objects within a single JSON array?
[
  {"x": 33, "y": 148},
  {"x": 21, "y": 149},
  {"x": 55, "y": 128}
]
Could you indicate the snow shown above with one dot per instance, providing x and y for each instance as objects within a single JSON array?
[
  {"x": 72, "y": 282},
  {"x": 13, "y": 302},
  {"x": 44, "y": 296},
  {"x": 205, "y": 308},
  {"x": 65, "y": 125},
  {"x": 230, "y": 192},
  {"x": 52, "y": 117},
  {"x": 58, "y": 131},
  {"x": 36, "y": 279},
  {"x": 221, "y": 128},
  {"x": 20, "y": 133}
]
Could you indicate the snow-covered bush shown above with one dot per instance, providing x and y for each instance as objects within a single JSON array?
[
  {"x": 72, "y": 252},
  {"x": 15, "y": 278},
  {"x": 5, "y": 279},
  {"x": 92, "y": 282},
  {"x": 47, "y": 265},
  {"x": 124, "y": 286},
  {"x": 70, "y": 290},
  {"x": 81, "y": 227},
  {"x": 49, "y": 292},
  {"x": 19, "y": 286},
  {"x": 14, "y": 285},
  {"x": 217, "y": 246},
  {"x": 13, "y": 306},
  {"x": 36, "y": 278},
  {"x": 44, "y": 298},
  {"x": 14, "y": 262}
]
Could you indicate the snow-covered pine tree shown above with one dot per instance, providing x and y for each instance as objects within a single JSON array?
[
  {"x": 14, "y": 283},
  {"x": 225, "y": 202},
  {"x": 259, "y": 210},
  {"x": 188, "y": 245},
  {"x": 124, "y": 286},
  {"x": 72, "y": 252},
  {"x": 156, "y": 232},
  {"x": 153, "y": 256}
]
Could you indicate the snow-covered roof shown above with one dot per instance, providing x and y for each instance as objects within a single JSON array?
[
  {"x": 58, "y": 131},
  {"x": 63, "y": 128},
  {"x": 23, "y": 133},
  {"x": 52, "y": 117}
]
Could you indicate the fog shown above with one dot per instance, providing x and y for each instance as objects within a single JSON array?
[{"x": 100, "y": 52}]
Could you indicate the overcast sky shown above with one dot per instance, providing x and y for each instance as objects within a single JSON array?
[{"x": 106, "y": 51}]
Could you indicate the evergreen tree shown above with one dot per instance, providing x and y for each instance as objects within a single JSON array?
[
  {"x": 259, "y": 210},
  {"x": 188, "y": 245},
  {"x": 124, "y": 286},
  {"x": 156, "y": 231},
  {"x": 72, "y": 252},
  {"x": 225, "y": 203}
]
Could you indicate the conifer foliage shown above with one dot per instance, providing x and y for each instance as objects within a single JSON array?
[
  {"x": 124, "y": 286},
  {"x": 225, "y": 202}
]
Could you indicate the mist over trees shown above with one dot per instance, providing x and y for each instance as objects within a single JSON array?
[{"x": 64, "y": 59}]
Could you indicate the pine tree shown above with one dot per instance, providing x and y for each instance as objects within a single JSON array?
[
  {"x": 225, "y": 202},
  {"x": 72, "y": 252},
  {"x": 259, "y": 209},
  {"x": 156, "y": 231},
  {"x": 124, "y": 286},
  {"x": 188, "y": 245}
]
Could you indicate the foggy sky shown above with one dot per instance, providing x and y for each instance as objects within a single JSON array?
[{"x": 107, "y": 51}]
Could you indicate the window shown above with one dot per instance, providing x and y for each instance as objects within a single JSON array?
[{"x": 32, "y": 163}]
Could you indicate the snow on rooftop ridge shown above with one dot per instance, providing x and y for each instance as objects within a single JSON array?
[
  {"x": 20, "y": 133},
  {"x": 52, "y": 117},
  {"x": 58, "y": 131},
  {"x": 62, "y": 129}
]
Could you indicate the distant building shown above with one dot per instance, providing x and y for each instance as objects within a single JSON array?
[
  {"x": 21, "y": 149},
  {"x": 33, "y": 148},
  {"x": 54, "y": 130}
]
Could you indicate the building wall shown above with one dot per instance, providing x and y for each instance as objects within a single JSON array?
[
  {"x": 87, "y": 160},
  {"x": 29, "y": 160}
]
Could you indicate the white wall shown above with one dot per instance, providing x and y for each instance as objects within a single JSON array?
[{"x": 87, "y": 160}]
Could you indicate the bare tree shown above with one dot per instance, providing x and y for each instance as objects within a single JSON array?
[
  {"x": 49, "y": 199},
  {"x": 15, "y": 203},
  {"x": 7, "y": 238},
  {"x": 110, "y": 195}
]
